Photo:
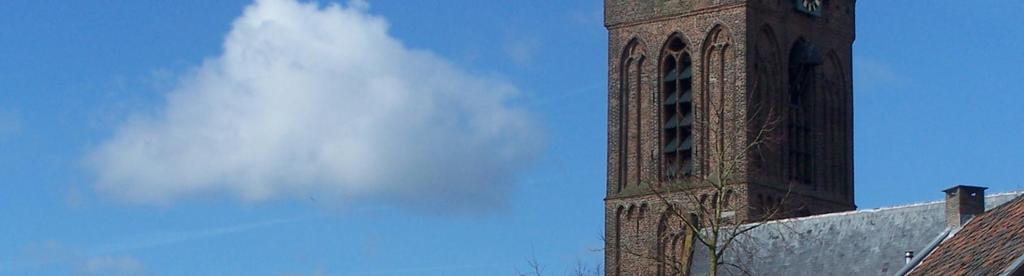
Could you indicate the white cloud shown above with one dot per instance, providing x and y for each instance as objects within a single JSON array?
[
  {"x": 311, "y": 100},
  {"x": 111, "y": 265}
]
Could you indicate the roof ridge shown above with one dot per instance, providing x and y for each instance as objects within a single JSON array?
[
  {"x": 979, "y": 229},
  {"x": 879, "y": 209}
]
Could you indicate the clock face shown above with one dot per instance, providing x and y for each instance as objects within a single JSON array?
[{"x": 811, "y": 7}]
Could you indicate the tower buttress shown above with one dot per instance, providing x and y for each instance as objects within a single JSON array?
[{"x": 692, "y": 80}]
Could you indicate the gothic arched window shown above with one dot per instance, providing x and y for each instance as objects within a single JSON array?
[
  {"x": 835, "y": 124},
  {"x": 619, "y": 213},
  {"x": 676, "y": 109},
  {"x": 631, "y": 106},
  {"x": 803, "y": 62},
  {"x": 675, "y": 243},
  {"x": 718, "y": 121},
  {"x": 764, "y": 102}
]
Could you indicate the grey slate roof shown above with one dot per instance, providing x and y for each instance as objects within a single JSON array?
[{"x": 862, "y": 242}]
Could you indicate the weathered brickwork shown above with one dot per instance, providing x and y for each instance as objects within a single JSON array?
[{"x": 741, "y": 51}]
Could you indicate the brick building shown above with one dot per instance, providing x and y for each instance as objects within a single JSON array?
[
  {"x": 673, "y": 64},
  {"x": 955, "y": 236}
]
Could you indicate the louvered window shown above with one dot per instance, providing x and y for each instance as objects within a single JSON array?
[{"x": 677, "y": 110}]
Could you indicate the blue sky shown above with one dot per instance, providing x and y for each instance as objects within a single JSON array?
[{"x": 114, "y": 159}]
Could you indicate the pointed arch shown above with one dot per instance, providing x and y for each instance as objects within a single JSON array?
[
  {"x": 717, "y": 62},
  {"x": 803, "y": 76},
  {"x": 845, "y": 122},
  {"x": 674, "y": 242},
  {"x": 638, "y": 218},
  {"x": 665, "y": 237},
  {"x": 631, "y": 212},
  {"x": 834, "y": 123},
  {"x": 727, "y": 200},
  {"x": 676, "y": 114},
  {"x": 764, "y": 104},
  {"x": 619, "y": 213},
  {"x": 836, "y": 66},
  {"x": 630, "y": 107}
]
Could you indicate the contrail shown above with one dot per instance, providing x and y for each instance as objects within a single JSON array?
[
  {"x": 167, "y": 238},
  {"x": 71, "y": 255}
]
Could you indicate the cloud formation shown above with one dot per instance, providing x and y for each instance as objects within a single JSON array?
[
  {"x": 321, "y": 100},
  {"x": 51, "y": 253},
  {"x": 112, "y": 265}
]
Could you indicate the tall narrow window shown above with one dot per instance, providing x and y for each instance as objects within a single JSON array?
[
  {"x": 618, "y": 240},
  {"x": 717, "y": 102},
  {"x": 674, "y": 246},
  {"x": 803, "y": 61},
  {"x": 677, "y": 110},
  {"x": 631, "y": 108},
  {"x": 833, "y": 86},
  {"x": 764, "y": 109},
  {"x": 829, "y": 89}
]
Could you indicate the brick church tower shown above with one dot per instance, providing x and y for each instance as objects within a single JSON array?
[{"x": 683, "y": 74}]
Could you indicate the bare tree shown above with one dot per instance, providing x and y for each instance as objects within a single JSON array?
[
  {"x": 582, "y": 269},
  {"x": 699, "y": 208},
  {"x": 534, "y": 268}
]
